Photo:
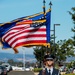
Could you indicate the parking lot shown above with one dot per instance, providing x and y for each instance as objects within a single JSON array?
[{"x": 21, "y": 73}]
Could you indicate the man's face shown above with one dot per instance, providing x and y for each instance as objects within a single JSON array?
[{"x": 49, "y": 62}]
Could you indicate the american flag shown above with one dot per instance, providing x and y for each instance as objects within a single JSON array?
[
  {"x": 31, "y": 30},
  {"x": 26, "y": 34}
]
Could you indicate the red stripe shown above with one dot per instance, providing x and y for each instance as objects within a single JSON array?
[
  {"x": 26, "y": 37},
  {"x": 26, "y": 31},
  {"x": 30, "y": 42},
  {"x": 21, "y": 27},
  {"x": 33, "y": 30},
  {"x": 7, "y": 36}
]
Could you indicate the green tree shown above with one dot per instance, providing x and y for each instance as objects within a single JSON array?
[
  {"x": 71, "y": 64},
  {"x": 62, "y": 50},
  {"x": 39, "y": 53},
  {"x": 12, "y": 62},
  {"x": 72, "y": 13}
]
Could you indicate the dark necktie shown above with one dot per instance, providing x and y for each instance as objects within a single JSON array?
[{"x": 49, "y": 72}]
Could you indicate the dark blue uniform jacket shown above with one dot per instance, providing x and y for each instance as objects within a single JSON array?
[{"x": 45, "y": 72}]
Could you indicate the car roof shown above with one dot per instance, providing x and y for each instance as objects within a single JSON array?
[{"x": 5, "y": 64}]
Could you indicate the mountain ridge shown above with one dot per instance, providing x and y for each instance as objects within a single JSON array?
[
  {"x": 16, "y": 57},
  {"x": 20, "y": 57}
]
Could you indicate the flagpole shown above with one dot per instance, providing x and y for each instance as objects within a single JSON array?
[
  {"x": 50, "y": 23},
  {"x": 44, "y": 10},
  {"x": 50, "y": 4}
]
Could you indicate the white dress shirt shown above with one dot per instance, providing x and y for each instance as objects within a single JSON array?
[{"x": 51, "y": 70}]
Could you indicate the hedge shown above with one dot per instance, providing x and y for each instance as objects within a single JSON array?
[{"x": 37, "y": 69}]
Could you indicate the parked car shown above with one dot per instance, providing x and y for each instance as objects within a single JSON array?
[
  {"x": 8, "y": 66},
  {"x": 3, "y": 70},
  {"x": 74, "y": 70},
  {"x": 27, "y": 69}
]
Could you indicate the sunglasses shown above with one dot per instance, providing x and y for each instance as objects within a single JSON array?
[{"x": 49, "y": 59}]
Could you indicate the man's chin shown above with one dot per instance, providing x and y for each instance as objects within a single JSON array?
[{"x": 49, "y": 65}]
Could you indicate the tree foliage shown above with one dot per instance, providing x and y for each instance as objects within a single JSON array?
[
  {"x": 63, "y": 49},
  {"x": 39, "y": 53},
  {"x": 72, "y": 13}
]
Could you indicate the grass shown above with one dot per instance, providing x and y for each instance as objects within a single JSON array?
[{"x": 69, "y": 74}]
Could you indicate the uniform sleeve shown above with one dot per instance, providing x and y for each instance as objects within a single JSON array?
[
  {"x": 59, "y": 73},
  {"x": 40, "y": 73}
]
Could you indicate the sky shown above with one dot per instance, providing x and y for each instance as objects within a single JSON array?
[{"x": 13, "y": 9}]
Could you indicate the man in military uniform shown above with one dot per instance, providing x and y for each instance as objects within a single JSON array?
[{"x": 49, "y": 66}]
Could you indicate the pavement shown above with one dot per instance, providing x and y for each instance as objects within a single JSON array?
[
  {"x": 36, "y": 73},
  {"x": 21, "y": 73}
]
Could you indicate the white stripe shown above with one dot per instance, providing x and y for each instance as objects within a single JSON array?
[
  {"x": 30, "y": 28},
  {"x": 14, "y": 30},
  {"x": 19, "y": 26},
  {"x": 23, "y": 34},
  {"x": 19, "y": 32},
  {"x": 23, "y": 30},
  {"x": 24, "y": 40}
]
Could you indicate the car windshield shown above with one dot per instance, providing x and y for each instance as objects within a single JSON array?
[{"x": 6, "y": 65}]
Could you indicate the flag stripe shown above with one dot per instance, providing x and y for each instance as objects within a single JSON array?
[
  {"x": 21, "y": 27},
  {"x": 25, "y": 33},
  {"x": 28, "y": 39},
  {"x": 12, "y": 30},
  {"x": 30, "y": 42}
]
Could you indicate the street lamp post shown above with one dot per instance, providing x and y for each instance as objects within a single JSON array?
[
  {"x": 23, "y": 58},
  {"x": 54, "y": 34}
]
